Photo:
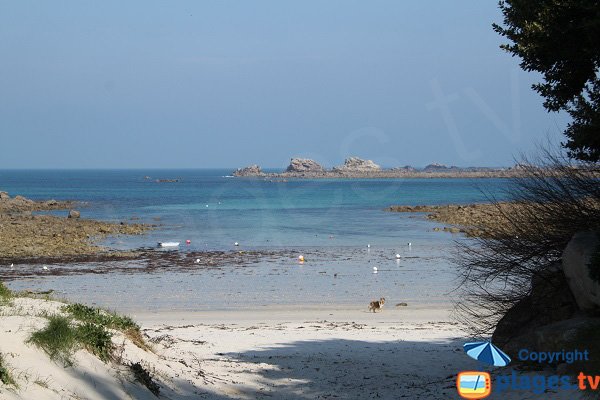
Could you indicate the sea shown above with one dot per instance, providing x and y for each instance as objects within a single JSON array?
[{"x": 350, "y": 240}]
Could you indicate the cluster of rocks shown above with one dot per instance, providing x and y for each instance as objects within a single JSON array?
[
  {"x": 22, "y": 204},
  {"x": 471, "y": 219},
  {"x": 252, "y": 170},
  {"x": 27, "y": 236},
  {"x": 562, "y": 309},
  {"x": 355, "y": 167}
]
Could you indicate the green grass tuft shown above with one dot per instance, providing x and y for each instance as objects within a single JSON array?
[
  {"x": 5, "y": 375},
  {"x": 98, "y": 316},
  {"x": 109, "y": 320},
  {"x": 5, "y": 294},
  {"x": 96, "y": 339},
  {"x": 58, "y": 339},
  {"x": 4, "y": 291}
]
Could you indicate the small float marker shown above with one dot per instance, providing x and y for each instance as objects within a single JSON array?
[
  {"x": 301, "y": 258},
  {"x": 197, "y": 261},
  {"x": 409, "y": 244},
  {"x": 188, "y": 241},
  {"x": 236, "y": 244},
  {"x": 374, "y": 270},
  {"x": 397, "y": 255},
  {"x": 369, "y": 246},
  {"x": 45, "y": 268}
]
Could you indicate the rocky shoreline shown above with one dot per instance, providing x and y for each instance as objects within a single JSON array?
[
  {"x": 357, "y": 168},
  {"x": 471, "y": 219},
  {"x": 26, "y": 237}
]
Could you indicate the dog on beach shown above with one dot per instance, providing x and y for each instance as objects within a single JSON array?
[{"x": 376, "y": 304}]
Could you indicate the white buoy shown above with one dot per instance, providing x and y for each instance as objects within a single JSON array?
[
  {"x": 374, "y": 270},
  {"x": 409, "y": 244},
  {"x": 207, "y": 205},
  {"x": 397, "y": 255},
  {"x": 45, "y": 268},
  {"x": 301, "y": 258},
  {"x": 236, "y": 244},
  {"x": 369, "y": 245},
  {"x": 197, "y": 261},
  {"x": 12, "y": 265}
]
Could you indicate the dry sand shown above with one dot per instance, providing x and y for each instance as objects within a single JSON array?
[{"x": 273, "y": 353}]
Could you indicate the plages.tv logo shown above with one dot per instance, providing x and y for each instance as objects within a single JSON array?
[
  {"x": 478, "y": 384},
  {"x": 474, "y": 384}
]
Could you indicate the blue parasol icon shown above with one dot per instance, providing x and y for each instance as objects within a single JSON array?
[{"x": 487, "y": 353}]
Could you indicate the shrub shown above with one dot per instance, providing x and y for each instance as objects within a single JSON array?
[{"x": 553, "y": 199}]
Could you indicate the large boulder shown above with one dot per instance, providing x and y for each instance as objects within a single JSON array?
[
  {"x": 575, "y": 263},
  {"x": 252, "y": 170},
  {"x": 302, "y": 165},
  {"x": 550, "y": 301},
  {"x": 355, "y": 164}
]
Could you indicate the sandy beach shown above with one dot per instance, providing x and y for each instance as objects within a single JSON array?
[{"x": 273, "y": 353}]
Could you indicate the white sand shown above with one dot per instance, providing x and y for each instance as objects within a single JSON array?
[{"x": 284, "y": 353}]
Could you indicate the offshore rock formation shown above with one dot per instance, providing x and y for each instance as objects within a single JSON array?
[
  {"x": 304, "y": 165},
  {"x": 355, "y": 164},
  {"x": 251, "y": 170},
  {"x": 435, "y": 167},
  {"x": 358, "y": 168}
]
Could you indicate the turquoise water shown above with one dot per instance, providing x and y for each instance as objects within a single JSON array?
[{"x": 333, "y": 220}]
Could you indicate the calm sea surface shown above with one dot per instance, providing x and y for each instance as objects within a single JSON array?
[{"x": 333, "y": 220}]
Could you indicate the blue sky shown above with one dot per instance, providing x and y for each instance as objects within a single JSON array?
[{"x": 199, "y": 84}]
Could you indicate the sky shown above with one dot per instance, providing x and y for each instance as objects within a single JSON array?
[{"x": 203, "y": 84}]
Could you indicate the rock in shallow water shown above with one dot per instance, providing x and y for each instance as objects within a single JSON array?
[{"x": 74, "y": 214}]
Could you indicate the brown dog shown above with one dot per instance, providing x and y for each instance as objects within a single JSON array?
[{"x": 377, "y": 304}]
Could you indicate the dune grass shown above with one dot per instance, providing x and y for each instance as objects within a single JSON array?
[
  {"x": 5, "y": 294},
  {"x": 5, "y": 375},
  {"x": 61, "y": 338},
  {"x": 109, "y": 320},
  {"x": 57, "y": 339}
]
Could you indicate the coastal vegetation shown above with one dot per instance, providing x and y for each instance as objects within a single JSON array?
[
  {"x": 559, "y": 40},
  {"x": 79, "y": 326},
  {"x": 5, "y": 374},
  {"x": 107, "y": 320},
  {"x": 527, "y": 239},
  {"x": 533, "y": 275}
]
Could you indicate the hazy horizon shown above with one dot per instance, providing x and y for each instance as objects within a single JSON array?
[{"x": 142, "y": 85}]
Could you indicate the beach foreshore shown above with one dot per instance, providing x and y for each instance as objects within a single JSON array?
[{"x": 270, "y": 353}]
